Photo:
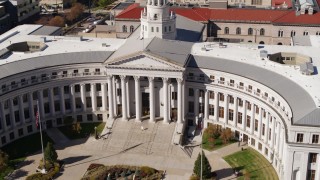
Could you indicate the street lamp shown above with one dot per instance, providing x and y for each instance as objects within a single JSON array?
[
  {"x": 255, "y": 35},
  {"x": 95, "y": 132}
]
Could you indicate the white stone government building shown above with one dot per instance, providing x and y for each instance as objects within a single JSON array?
[{"x": 267, "y": 94}]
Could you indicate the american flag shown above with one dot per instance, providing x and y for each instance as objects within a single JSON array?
[{"x": 37, "y": 118}]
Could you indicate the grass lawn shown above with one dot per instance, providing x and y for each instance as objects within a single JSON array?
[
  {"x": 218, "y": 143},
  {"x": 87, "y": 129},
  {"x": 254, "y": 164}
]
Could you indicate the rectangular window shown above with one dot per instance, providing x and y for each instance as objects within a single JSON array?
[
  {"x": 56, "y": 91},
  {"x": 118, "y": 92},
  {"x": 239, "y": 117},
  {"x": 240, "y": 102},
  {"x": 221, "y": 97},
  {"x": 269, "y": 134},
  {"x": 89, "y": 103},
  {"x": 17, "y": 116},
  {"x": 67, "y": 104},
  {"x": 25, "y": 98},
  {"x": 66, "y": 89},
  {"x": 20, "y": 132},
  {"x": 8, "y": 119},
  {"x": 11, "y": 136},
  {"x": 221, "y": 80},
  {"x": 211, "y": 110},
  {"x": 311, "y": 175},
  {"x": 191, "y": 92},
  {"x": 56, "y": 105},
  {"x": 77, "y": 88},
  {"x": 256, "y": 125},
  {"x": 211, "y": 95},
  {"x": 315, "y": 138},
  {"x": 45, "y": 93},
  {"x": 248, "y": 121},
  {"x": 78, "y": 103},
  {"x": 29, "y": 129},
  {"x": 99, "y": 117},
  {"x": 300, "y": 137},
  {"x": 257, "y": 109},
  {"x": 15, "y": 101},
  {"x": 230, "y": 117},
  {"x": 253, "y": 142},
  {"x": 54, "y": 75},
  {"x": 98, "y": 87},
  {"x": 231, "y": 99},
  {"x": 221, "y": 112},
  {"x": 46, "y": 108},
  {"x": 313, "y": 157},
  {"x": 263, "y": 129},
  {"x": 89, "y": 117},
  {"x": 201, "y": 108},
  {"x": 99, "y": 101},
  {"x": 248, "y": 106},
  {"x": 174, "y": 96},
  {"x": 79, "y": 118},
  {"x": 59, "y": 121},
  {"x": 191, "y": 107},
  {"x": 88, "y": 87},
  {"x": 35, "y": 95},
  {"x": 26, "y": 113},
  {"x": 3, "y": 140}
]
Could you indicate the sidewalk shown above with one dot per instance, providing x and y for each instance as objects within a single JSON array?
[{"x": 57, "y": 136}]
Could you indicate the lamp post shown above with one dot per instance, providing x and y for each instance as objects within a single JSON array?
[
  {"x": 255, "y": 35},
  {"x": 95, "y": 132}
]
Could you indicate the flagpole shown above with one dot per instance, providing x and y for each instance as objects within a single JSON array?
[
  {"x": 201, "y": 151},
  {"x": 39, "y": 122}
]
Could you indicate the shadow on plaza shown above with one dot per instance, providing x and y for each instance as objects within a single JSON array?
[
  {"x": 123, "y": 151},
  {"x": 71, "y": 160},
  {"x": 227, "y": 172},
  {"x": 17, "y": 174},
  {"x": 61, "y": 146}
]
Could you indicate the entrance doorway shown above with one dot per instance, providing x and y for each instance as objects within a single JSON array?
[
  {"x": 119, "y": 110},
  {"x": 145, "y": 104},
  {"x": 244, "y": 138},
  {"x": 174, "y": 114}
]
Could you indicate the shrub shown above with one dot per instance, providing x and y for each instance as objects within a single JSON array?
[
  {"x": 55, "y": 168},
  {"x": 194, "y": 177},
  {"x": 147, "y": 170},
  {"x": 93, "y": 166}
]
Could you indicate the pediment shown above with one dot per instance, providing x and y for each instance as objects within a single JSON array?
[{"x": 143, "y": 61}]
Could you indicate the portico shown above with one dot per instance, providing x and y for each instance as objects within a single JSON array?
[{"x": 149, "y": 86}]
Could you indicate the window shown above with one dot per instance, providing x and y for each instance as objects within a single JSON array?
[
  {"x": 124, "y": 28},
  {"x": 256, "y": 125},
  {"x": 20, "y": 132},
  {"x": 45, "y": 93},
  {"x": 248, "y": 121},
  {"x": 78, "y": 103},
  {"x": 231, "y": 100},
  {"x": 300, "y": 137},
  {"x": 15, "y": 101},
  {"x": 248, "y": 106},
  {"x": 99, "y": 117},
  {"x": 280, "y": 33},
  {"x": 305, "y": 33},
  {"x": 269, "y": 134},
  {"x": 54, "y": 75},
  {"x": 89, "y": 117},
  {"x": 35, "y": 95},
  {"x": 11, "y": 135},
  {"x": 77, "y": 88},
  {"x": 211, "y": 77},
  {"x": 201, "y": 107},
  {"x": 221, "y": 97},
  {"x": 3, "y": 140},
  {"x": 16, "y": 116},
  {"x": 250, "y": 31},
  {"x": 64, "y": 73},
  {"x": 98, "y": 87},
  {"x": 256, "y": 2},
  {"x": 86, "y": 72},
  {"x": 201, "y": 93},
  {"x": 46, "y": 108},
  {"x": 165, "y": 29},
  {"x": 211, "y": 110},
  {"x": 230, "y": 117},
  {"x": 88, "y": 87},
  {"x": 174, "y": 96},
  {"x": 239, "y": 117},
  {"x": 263, "y": 129},
  {"x": 313, "y": 157},
  {"x": 221, "y": 80},
  {"x": 221, "y": 112},
  {"x": 262, "y": 32},
  {"x": 191, "y": 92},
  {"x": 118, "y": 92},
  {"x": 226, "y": 30},
  {"x": 238, "y": 30},
  {"x": 315, "y": 138},
  {"x": 67, "y": 104},
  {"x": 25, "y": 98},
  {"x": 169, "y": 28},
  {"x": 99, "y": 101},
  {"x": 131, "y": 28},
  {"x": 55, "y": 91},
  {"x": 29, "y": 129},
  {"x": 157, "y": 29},
  {"x": 311, "y": 175},
  {"x": 240, "y": 102},
  {"x": 253, "y": 142},
  {"x": 152, "y": 29},
  {"x": 191, "y": 107},
  {"x": 8, "y": 119},
  {"x": 26, "y": 113},
  {"x": 66, "y": 89},
  {"x": 318, "y": 33},
  {"x": 97, "y": 71},
  {"x": 211, "y": 95},
  {"x": 89, "y": 103},
  {"x": 259, "y": 146},
  {"x": 23, "y": 81},
  {"x": 34, "y": 79},
  {"x": 257, "y": 109},
  {"x": 293, "y": 33},
  {"x": 79, "y": 118},
  {"x": 56, "y": 105}
]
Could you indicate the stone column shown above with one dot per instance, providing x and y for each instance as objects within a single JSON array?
[
  {"x": 196, "y": 103},
  {"x": 123, "y": 98},
  {"x": 104, "y": 96},
  {"x": 3, "y": 122},
  {"x": 51, "y": 102},
  {"x": 235, "y": 112},
  {"x": 226, "y": 109},
  {"x": 110, "y": 97},
  {"x": 128, "y": 97},
  {"x": 21, "y": 110},
  {"x": 216, "y": 105},
  {"x": 278, "y": 138},
  {"x": 252, "y": 119},
  {"x": 31, "y": 109},
  {"x": 152, "y": 99},
  {"x": 83, "y": 97},
  {"x": 72, "y": 98},
  {"x": 115, "y": 100},
  {"x": 266, "y": 137},
  {"x": 244, "y": 115},
  {"x": 63, "y": 108},
  {"x": 165, "y": 100},
  {"x": 260, "y": 123},
  {"x": 273, "y": 128},
  {"x": 206, "y": 105},
  {"x": 93, "y": 97},
  {"x": 179, "y": 93},
  {"x": 138, "y": 97},
  {"x": 281, "y": 142}
]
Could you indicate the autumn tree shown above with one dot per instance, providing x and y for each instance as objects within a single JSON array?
[
  {"x": 57, "y": 21},
  {"x": 75, "y": 12},
  {"x": 226, "y": 135},
  {"x": 4, "y": 159},
  {"x": 43, "y": 21}
]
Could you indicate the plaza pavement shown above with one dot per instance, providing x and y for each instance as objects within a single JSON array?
[{"x": 127, "y": 144}]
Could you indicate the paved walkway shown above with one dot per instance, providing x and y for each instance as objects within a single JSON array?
[
  {"x": 57, "y": 136},
  {"x": 128, "y": 144}
]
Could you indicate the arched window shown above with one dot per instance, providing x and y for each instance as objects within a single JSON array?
[
  {"x": 261, "y": 42},
  {"x": 280, "y": 33},
  {"x": 262, "y": 32},
  {"x": 124, "y": 28},
  {"x": 293, "y": 33},
  {"x": 226, "y": 30},
  {"x": 305, "y": 33},
  {"x": 279, "y": 43},
  {"x": 238, "y": 30},
  {"x": 318, "y": 33},
  {"x": 152, "y": 29},
  {"x": 131, "y": 28},
  {"x": 250, "y": 31}
]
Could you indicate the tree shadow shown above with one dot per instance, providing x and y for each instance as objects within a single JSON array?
[
  {"x": 227, "y": 172},
  {"x": 17, "y": 174},
  {"x": 24, "y": 163}
]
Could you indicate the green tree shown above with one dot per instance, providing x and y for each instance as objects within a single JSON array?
[
  {"x": 206, "y": 168},
  {"x": 104, "y": 3},
  {"x": 4, "y": 160},
  {"x": 50, "y": 153}
]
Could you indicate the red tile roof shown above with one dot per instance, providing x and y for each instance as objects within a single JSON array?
[{"x": 232, "y": 15}]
